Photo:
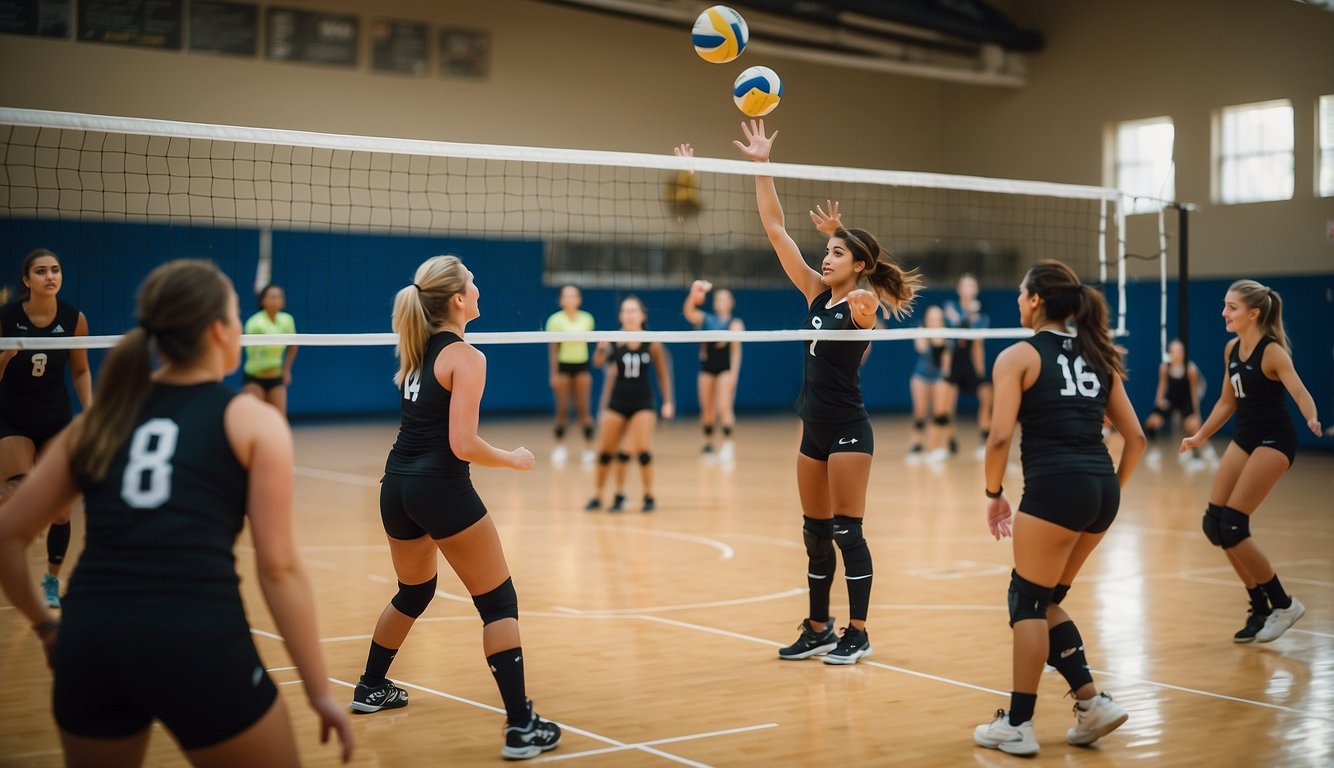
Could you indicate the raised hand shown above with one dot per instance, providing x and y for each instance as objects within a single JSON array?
[
  {"x": 683, "y": 150},
  {"x": 699, "y": 289},
  {"x": 758, "y": 145},
  {"x": 827, "y": 223}
]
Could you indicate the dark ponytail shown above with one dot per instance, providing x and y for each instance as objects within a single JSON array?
[
  {"x": 1065, "y": 298},
  {"x": 895, "y": 287},
  {"x": 177, "y": 303}
]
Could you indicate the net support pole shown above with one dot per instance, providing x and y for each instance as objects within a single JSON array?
[
  {"x": 1102, "y": 243},
  {"x": 1120, "y": 269},
  {"x": 1162, "y": 282},
  {"x": 1183, "y": 275}
]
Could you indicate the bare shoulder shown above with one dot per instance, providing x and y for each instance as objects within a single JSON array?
[
  {"x": 248, "y": 420},
  {"x": 463, "y": 353},
  {"x": 1021, "y": 354}
]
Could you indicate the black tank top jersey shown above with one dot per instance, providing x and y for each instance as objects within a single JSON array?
[
  {"x": 1262, "y": 404},
  {"x": 632, "y": 387},
  {"x": 1062, "y": 413},
  {"x": 422, "y": 447},
  {"x": 35, "y": 379},
  {"x": 831, "y": 389},
  {"x": 162, "y": 521},
  {"x": 1178, "y": 388},
  {"x": 715, "y": 355},
  {"x": 937, "y": 354}
]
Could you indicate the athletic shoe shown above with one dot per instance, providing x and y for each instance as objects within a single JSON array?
[
  {"x": 617, "y": 503},
  {"x": 51, "y": 590},
  {"x": 368, "y": 698},
  {"x": 811, "y": 643},
  {"x": 649, "y": 504},
  {"x": 559, "y": 455},
  {"x": 531, "y": 740},
  {"x": 938, "y": 456},
  {"x": 1011, "y": 739},
  {"x": 855, "y": 644},
  {"x": 1254, "y": 623},
  {"x": 1280, "y": 620},
  {"x": 1101, "y": 717},
  {"x": 593, "y": 505},
  {"x": 915, "y": 455},
  {"x": 981, "y": 453},
  {"x": 727, "y": 454},
  {"x": 587, "y": 457}
]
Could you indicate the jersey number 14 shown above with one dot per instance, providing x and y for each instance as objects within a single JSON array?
[{"x": 1082, "y": 382}]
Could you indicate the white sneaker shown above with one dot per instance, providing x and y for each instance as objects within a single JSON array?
[
  {"x": 1280, "y": 620},
  {"x": 727, "y": 454},
  {"x": 981, "y": 453},
  {"x": 1094, "y": 719},
  {"x": 559, "y": 455},
  {"x": 587, "y": 457},
  {"x": 938, "y": 456},
  {"x": 1011, "y": 739}
]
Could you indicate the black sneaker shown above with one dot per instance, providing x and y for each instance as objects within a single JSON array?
[
  {"x": 1254, "y": 623},
  {"x": 594, "y": 504},
  {"x": 367, "y": 698},
  {"x": 954, "y": 446},
  {"x": 531, "y": 740},
  {"x": 811, "y": 643},
  {"x": 649, "y": 504},
  {"x": 617, "y": 504},
  {"x": 855, "y": 644}
]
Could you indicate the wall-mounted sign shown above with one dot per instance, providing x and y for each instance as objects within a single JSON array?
[
  {"x": 44, "y": 18},
  {"x": 224, "y": 27},
  {"x": 309, "y": 36},
  {"x": 464, "y": 52},
  {"x": 143, "y": 23}
]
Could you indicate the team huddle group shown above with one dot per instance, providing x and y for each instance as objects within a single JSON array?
[{"x": 171, "y": 463}]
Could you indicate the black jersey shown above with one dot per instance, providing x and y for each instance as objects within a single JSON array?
[
  {"x": 631, "y": 390},
  {"x": 35, "y": 379},
  {"x": 162, "y": 521},
  {"x": 1178, "y": 388},
  {"x": 831, "y": 389},
  {"x": 422, "y": 447},
  {"x": 1062, "y": 413},
  {"x": 1262, "y": 404}
]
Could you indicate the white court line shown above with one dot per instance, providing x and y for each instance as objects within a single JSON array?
[
  {"x": 269, "y": 635},
  {"x": 290, "y": 682},
  {"x": 564, "y": 727},
  {"x": 687, "y": 606},
  {"x": 1311, "y": 632},
  {"x": 905, "y": 607},
  {"x": 344, "y": 638},
  {"x": 337, "y": 477},
  {"x": 279, "y": 669},
  {"x": 655, "y": 742},
  {"x": 1212, "y": 695},
  {"x": 1234, "y": 582}
]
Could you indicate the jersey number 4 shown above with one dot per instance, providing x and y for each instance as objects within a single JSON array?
[
  {"x": 147, "y": 480},
  {"x": 1083, "y": 382}
]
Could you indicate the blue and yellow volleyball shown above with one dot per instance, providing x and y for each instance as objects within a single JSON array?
[
  {"x": 720, "y": 34},
  {"x": 757, "y": 91}
]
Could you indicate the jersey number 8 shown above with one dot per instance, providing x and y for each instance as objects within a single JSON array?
[
  {"x": 1083, "y": 382},
  {"x": 146, "y": 483}
]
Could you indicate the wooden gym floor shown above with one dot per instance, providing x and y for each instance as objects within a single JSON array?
[{"x": 651, "y": 638}]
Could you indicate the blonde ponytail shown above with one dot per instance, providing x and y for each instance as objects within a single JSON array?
[{"x": 421, "y": 306}]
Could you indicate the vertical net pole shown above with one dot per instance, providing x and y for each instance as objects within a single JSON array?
[
  {"x": 1102, "y": 242},
  {"x": 1162, "y": 283},
  {"x": 1121, "y": 268},
  {"x": 1183, "y": 275}
]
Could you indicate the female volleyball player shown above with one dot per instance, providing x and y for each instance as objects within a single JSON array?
[
  {"x": 170, "y": 464},
  {"x": 929, "y": 391},
  {"x": 834, "y": 463},
  {"x": 571, "y": 377},
  {"x": 268, "y": 370},
  {"x": 34, "y": 404},
  {"x": 627, "y": 411},
  {"x": 427, "y": 501},
  {"x": 719, "y": 365},
  {"x": 1259, "y": 370},
  {"x": 967, "y": 373},
  {"x": 1058, "y": 386},
  {"x": 1178, "y": 392}
]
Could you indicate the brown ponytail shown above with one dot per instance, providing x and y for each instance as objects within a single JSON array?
[
  {"x": 177, "y": 303},
  {"x": 895, "y": 287},
  {"x": 1065, "y": 298},
  {"x": 1266, "y": 299},
  {"x": 421, "y": 306}
]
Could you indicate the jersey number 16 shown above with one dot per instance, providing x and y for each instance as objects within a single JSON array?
[{"x": 1083, "y": 382}]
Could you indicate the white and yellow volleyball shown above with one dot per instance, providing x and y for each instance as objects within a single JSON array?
[
  {"x": 757, "y": 91},
  {"x": 720, "y": 34}
]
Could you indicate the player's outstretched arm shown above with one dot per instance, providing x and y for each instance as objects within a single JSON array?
[{"x": 757, "y": 148}]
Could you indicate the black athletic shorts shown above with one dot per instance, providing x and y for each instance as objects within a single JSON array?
[
  {"x": 572, "y": 369},
  {"x": 38, "y": 427},
  {"x": 629, "y": 408},
  {"x": 714, "y": 362},
  {"x": 1282, "y": 440},
  {"x": 1075, "y": 500},
  {"x": 198, "y": 673},
  {"x": 964, "y": 376},
  {"x": 412, "y": 506},
  {"x": 819, "y": 439},
  {"x": 266, "y": 384},
  {"x": 1185, "y": 409}
]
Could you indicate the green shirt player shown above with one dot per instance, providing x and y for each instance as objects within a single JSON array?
[
  {"x": 569, "y": 372},
  {"x": 268, "y": 369}
]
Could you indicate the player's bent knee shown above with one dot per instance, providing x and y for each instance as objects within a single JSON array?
[
  {"x": 1233, "y": 528},
  {"x": 645, "y": 458},
  {"x": 1213, "y": 516},
  {"x": 500, "y": 603},
  {"x": 1027, "y": 600},
  {"x": 412, "y": 599}
]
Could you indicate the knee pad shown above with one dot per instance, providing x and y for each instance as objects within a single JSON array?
[
  {"x": 1058, "y": 593},
  {"x": 708, "y": 430},
  {"x": 622, "y": 457},
  {"x": 727, "y": 431},
  {"x": 645, "y": 459},
  {"x": 1212, "y": 515},
  {"x": 943, "y": 420},
  {"x": 1027, "y": 600},
  {"x": 500, "y": 603},
  {"x": 588, "y": 432},
  {"x": 560, "y": 431},
  {"x": 856, "y": 555},
  {"x": 604, "y": 458},
  {"x": 919, "y": 424},
  {"x": 1233, "y": 527},
  {"x": 819, "y": 538},
  {"x": 412, "y": 599}
]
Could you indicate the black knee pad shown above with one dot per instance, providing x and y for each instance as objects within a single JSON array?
[
  {"x": 727, "y": 431},
  {"x": 1233, "y": 527},
  {"x": 943, "y": 420},
  {"x": 560, "y": 431},
  {"x": 819, "y": 538},
  {"x": 623, "y": 457},
  {"x": 1212, "y": 515},
  {"x": 919, "y": 424},
  {"x": 412, "y": 599},
  {"x": 856, "y": 555},
  {"x": 708, "y": 430},
  {"x": 588, "y": 432},
  {"x": 604, "y": 458},
  {"x": 500, "y": 603},
  {"x": 1027, "y": 600},
  {"x": 645, "y": 459},
  {"x": 1058, "y": 594}
]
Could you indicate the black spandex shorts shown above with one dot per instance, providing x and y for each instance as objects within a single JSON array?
[
  {"x": 39, "y": 428},
  {"x": 716, "y": 362},
  {"x": 629, "y": 409},
  {"x": 413, "y": 506},
  {"x": 963, "y": 376},
  {"x": 572, "y": 369},
  {"x": 1076, "y": 500},
  {"x": 1283, "y": 441},
  {"x": 819, "y": 440},
  {"x": 197, "y": 673},
  {"x": 1185, "y": 409},
  {"x": 267, "y": 384}
]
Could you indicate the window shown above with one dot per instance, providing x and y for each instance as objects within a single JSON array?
[
  {"x": 1144, "y": 168},
  {"x": 1255, "y": 152},
  {"x": 1325, "y": 178}
]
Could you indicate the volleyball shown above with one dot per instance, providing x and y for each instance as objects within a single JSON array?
[
  {"x": 757, "y": 91},
  {"x": 720, "y": 34}
]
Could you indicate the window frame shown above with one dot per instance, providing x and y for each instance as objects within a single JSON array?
[
  {"x": 1221, "y": 160},
  {"x": 1141, "y": 203}
]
